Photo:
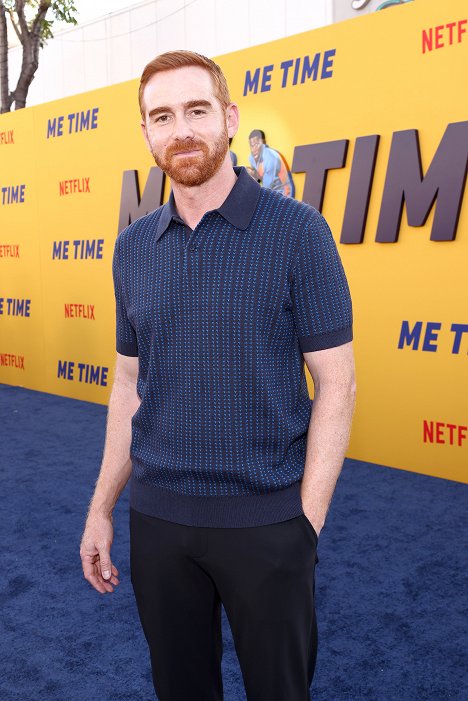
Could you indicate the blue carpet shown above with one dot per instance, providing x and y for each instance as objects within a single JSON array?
[{"x": 391, "y": 582}]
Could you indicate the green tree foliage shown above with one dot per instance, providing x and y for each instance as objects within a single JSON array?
[{"x": 32, "y": 20}]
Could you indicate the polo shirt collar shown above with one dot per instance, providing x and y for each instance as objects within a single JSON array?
[{"x": 238, "y": 208}]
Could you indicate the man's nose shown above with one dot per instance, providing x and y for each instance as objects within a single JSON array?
[{"x": 182, "y": 128}]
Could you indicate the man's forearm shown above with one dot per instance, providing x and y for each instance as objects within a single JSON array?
[
  {"x": 327, "y": 441},
  {"x": 116, "y": 465}
]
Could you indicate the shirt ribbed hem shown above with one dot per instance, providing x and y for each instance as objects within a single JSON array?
[
  {"x": 217, "y": 512},
  {"x": 130, "y": 349},
  {"x": 323, "y": 341}
]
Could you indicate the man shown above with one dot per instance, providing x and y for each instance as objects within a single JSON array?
[
  {"x": 221, "y": 294},
  {"x": 269, "y": 165}
]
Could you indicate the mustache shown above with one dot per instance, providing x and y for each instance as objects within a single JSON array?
[{"x": 187, "y": 145}]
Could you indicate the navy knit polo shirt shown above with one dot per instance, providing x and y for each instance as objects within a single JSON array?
[{"x": 219, "y": 318}]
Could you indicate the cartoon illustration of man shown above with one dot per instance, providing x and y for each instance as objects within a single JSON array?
[{"x": 268, "y": 166}]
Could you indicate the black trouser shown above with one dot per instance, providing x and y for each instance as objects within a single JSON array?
[{"x": 264, "y": 577}]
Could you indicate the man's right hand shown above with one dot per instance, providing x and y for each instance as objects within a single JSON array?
[{"x": 95, "y": 548}]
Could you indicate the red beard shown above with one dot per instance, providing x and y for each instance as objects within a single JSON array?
[{"x": 196, "y": 169}]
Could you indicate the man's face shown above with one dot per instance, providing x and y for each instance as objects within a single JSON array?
[
  {"x": 186, "y": 128},
  {"x": 256, "y": 144}
]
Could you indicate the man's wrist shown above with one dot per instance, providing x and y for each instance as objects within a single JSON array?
[
  {"x": 314, "y": 513},
  {"x": 100, "y": 508},
  {"x": 318, "y": 524}
]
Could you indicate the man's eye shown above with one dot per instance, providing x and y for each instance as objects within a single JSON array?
[
  {"x": 198, "y": 113},
  {"x": 161, "y": 119}
]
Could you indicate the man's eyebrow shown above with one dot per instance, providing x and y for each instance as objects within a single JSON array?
[{"x": 186, "y": 105}]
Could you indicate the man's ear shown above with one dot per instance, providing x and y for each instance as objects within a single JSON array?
[{"x": 232, "y": 119}]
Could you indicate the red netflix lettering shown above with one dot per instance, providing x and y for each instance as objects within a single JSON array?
[
  {"x": 443, "y": 35},
  {"x": 444, "y": 433},
  {"x": 9, "y": 250},
  {"x": 7, "y": 137},
  {"x": 71, "y": 187},
  {"x": 79, "y": 311},
  {"x": 12, "y": 361}
]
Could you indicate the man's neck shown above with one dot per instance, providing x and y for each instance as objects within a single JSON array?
[{"x": 193, "y": 202}]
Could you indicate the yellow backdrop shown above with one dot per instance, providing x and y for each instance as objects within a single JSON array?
[{"x": 371, "y": 115}]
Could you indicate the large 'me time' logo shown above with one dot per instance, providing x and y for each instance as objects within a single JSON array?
[{"x": 442, "y": 185}]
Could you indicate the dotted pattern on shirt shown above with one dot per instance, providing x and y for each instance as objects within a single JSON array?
[{"x": 219, "y": 324}]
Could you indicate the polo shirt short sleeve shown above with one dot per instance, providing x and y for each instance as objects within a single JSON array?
[{"x": 322, "y": 308}]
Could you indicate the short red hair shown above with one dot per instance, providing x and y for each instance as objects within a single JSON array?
[{"x": 171, "y": 60}]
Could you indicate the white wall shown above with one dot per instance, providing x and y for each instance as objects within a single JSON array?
[{"x": 117, "y": 47}]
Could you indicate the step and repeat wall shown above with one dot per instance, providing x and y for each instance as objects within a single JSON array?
[{"x": 367, "y": 120}]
